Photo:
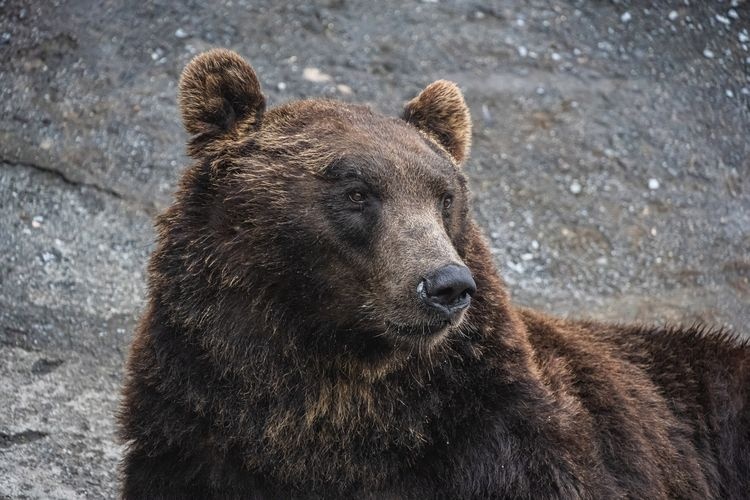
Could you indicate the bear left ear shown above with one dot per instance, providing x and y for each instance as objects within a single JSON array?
[
  {"x": 219, "y": 96},
  {"x": 440, "y": 111}
]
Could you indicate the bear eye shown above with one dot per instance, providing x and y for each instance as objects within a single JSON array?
[
  {"x": 447, "y": 201},
  {"x": 356, "y": 197}
]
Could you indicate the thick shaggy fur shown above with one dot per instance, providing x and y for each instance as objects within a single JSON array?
[{"x": 283, "y": 353}]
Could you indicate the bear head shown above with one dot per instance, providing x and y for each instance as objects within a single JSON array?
[{"x": 325, "y": 219}]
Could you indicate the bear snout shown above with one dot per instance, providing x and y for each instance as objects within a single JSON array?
[{"x": 447, "y": 290}]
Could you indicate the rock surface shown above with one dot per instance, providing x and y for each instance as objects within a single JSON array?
[{"x": 611, "y": 169}]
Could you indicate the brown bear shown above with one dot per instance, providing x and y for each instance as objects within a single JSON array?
[{"x": 325, "y": 321}]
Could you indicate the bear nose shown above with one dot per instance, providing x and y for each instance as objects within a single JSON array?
[{"x": 447, "y": 290}]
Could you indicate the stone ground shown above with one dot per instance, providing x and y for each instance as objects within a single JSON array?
[{"x": 611, "y": 169}]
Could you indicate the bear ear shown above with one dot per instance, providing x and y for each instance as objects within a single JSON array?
[
  {"x": 219, "y": 95},
  {"x": 440, "y": 110}
]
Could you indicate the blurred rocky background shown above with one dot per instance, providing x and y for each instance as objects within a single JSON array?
[{"x": 611, "y": 169}]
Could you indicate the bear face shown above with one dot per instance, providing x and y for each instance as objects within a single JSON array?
[{"x": 350, "y": 223}]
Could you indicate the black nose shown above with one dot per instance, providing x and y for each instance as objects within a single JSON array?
[{"x": 448, "y": 290}]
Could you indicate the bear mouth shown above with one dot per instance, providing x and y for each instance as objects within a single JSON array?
[{"x": 420, "y": 331}]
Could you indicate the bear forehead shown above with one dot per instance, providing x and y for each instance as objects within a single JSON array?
[{"x": 349, "y": 134}]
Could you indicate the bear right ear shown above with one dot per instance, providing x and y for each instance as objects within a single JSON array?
[
  {"x": 219, "y": 96},
  {"x": 440, "y": 111}
]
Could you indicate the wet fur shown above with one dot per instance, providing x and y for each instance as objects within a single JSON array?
[{"x": 263, "y": 369}]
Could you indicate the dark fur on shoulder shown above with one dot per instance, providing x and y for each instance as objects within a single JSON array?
[{"x": 287, "y": 350}]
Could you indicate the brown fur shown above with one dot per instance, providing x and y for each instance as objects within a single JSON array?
[
  {"x": 219, "y": 97},
  {"x": 440, "y": 111},
  {"x": 285, "y": 354}
]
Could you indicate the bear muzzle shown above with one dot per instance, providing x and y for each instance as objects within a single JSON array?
[{"x": 447, "y": 290}]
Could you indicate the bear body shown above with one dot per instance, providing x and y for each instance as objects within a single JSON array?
[{"x": 325, "y": 321}]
